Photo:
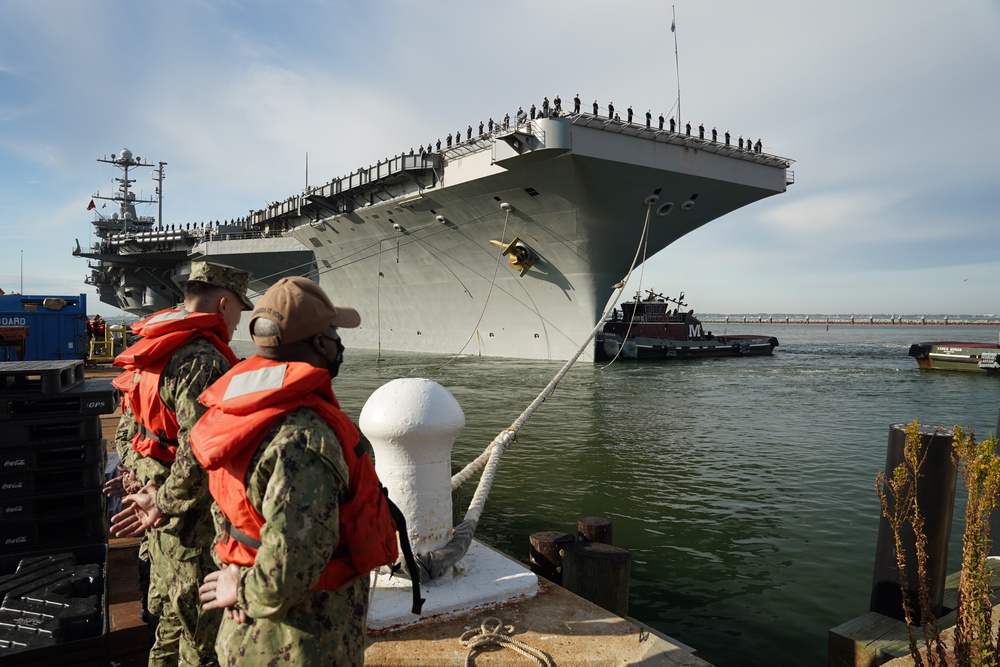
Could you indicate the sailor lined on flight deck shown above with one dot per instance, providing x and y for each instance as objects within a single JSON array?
[{"x": 576, "y": 103}]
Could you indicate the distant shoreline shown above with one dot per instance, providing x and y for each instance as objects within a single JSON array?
[{"x": 906, "y": 320}]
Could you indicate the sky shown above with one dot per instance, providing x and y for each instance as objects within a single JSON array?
[{"x": 888, "y": 108}]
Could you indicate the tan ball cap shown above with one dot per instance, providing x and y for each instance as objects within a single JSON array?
[{"x": 300, "y": 309}]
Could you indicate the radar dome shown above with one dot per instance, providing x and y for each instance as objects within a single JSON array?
[{"x": 126, "y": 155}]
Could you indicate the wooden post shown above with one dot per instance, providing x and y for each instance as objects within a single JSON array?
[
  {"x": 594, "y": 529},
  {"x": 936, "y": 499},
  {"x": 599, "y": 573},
  {"x": 995, "y": 515},
  {"x": 546, "y": 554}
]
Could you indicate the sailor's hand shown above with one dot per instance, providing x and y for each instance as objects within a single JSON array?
[
  {"x": 139, "y": 513},
  {"x": 220, "y": 592},
  {"x": 125, "y": 483},
  {"x": 131, "y": 482},
  {"x": 115, "y": 487}
]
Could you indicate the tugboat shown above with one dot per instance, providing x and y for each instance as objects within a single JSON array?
[
  {"x": 657, "y": 327},
  {"x": 953, "y": 356}
]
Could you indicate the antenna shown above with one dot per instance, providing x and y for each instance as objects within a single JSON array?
[
  {"x": 677, "y": 64},
  {"x": 158, "y": 176}
]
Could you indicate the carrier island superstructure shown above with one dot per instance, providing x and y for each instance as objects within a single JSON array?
[{"x": 504, "y": 244}]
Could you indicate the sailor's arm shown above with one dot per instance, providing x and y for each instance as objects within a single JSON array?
[{"x": 300, "y": 505}]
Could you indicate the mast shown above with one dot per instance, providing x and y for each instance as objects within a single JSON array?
[
  {"x": 158, "y": 176},
  {"x": 126, "y": 199},
  {"x": 677, "y": 64}
]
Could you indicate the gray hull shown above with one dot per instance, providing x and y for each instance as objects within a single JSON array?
[{"x": 408, "y": 241}]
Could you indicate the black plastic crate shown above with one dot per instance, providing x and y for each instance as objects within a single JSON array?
[
  {"x": 37, "y": 430},
  {"x": 40, "y": 377},
  {"x": 55, "y": 607},
  {"x": 53, "y": 455},
  {"x": 53, "y": 533},
  {"x": 20, "y": 485},
  {"x": 91, "y": 397},
  {"x": 41, "y": 508}
]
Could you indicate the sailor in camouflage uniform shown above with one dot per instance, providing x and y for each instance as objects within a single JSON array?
[
  {"x": 181, "y": 353},
  {"x": 282, "y": 606}
]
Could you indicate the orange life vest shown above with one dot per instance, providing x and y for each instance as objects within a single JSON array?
[
  {"x": 163, "y": 333},
  {"x": 243, "y": 406}
]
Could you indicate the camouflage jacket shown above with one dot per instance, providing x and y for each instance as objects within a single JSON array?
[
  {"x": 183, "y": 485},
  {"x": 297, "y": 480}
]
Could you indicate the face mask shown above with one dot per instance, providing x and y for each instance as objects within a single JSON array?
[{"x": 334, "y": 365}]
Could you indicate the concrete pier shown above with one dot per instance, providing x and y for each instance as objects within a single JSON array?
[{"x": 570, "y": 630}]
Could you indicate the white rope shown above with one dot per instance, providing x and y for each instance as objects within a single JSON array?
[
  {"x": 489, "y": 460},
  {"x": 644, "y": 246},
  {"x": 492, "y": 632}
]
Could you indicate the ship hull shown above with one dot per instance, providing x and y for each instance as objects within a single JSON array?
[
  {"x": 610, "y": 346},
  {"x": 953, "y": 356},
  {"x": 426, "y": 278},
  {"x": 417, "y": 243}
]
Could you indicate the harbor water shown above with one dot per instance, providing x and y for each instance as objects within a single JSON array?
[{"x": 744, "y": 487}]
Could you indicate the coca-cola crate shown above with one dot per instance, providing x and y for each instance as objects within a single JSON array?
[
  {"x": 55, "y": 607},
  {"x": 52, "y": 533},
  {"x": 41, "y": 508},
  {"x": 18, "y": 485},
  {"x": 40, "y": 377},
  {"x": 91, "y": 397},
  {"x": 52, "y": 455},
  {"x": 36, "y": 430}
]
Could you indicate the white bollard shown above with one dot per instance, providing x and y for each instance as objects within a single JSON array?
[{"x": 412, "y": 424}]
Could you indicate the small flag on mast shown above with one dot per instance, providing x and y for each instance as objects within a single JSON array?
[
  {"x": 673, "y": 26},
  {"x": 91, "y": 206}
]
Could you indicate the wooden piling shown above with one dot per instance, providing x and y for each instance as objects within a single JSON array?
[
  {"x": 545, "y": 556},
  {"x": 995, "y": 514},
  {"x": 936, "y": 500},
  {"x": 594, "y": 529},
  {"x": 598, "y": 572}
]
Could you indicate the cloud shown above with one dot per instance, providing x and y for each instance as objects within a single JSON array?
[{"x": 888, "y": 113}]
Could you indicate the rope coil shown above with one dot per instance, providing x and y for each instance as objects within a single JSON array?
[{"x": 493, "y": 633}]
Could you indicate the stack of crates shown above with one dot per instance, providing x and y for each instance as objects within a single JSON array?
[{"x": 54, "y": 557}]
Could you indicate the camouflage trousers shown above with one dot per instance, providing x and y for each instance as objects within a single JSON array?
[
  {"x": 323, "y": 628},
  {"x": 185, "y": 635}
]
